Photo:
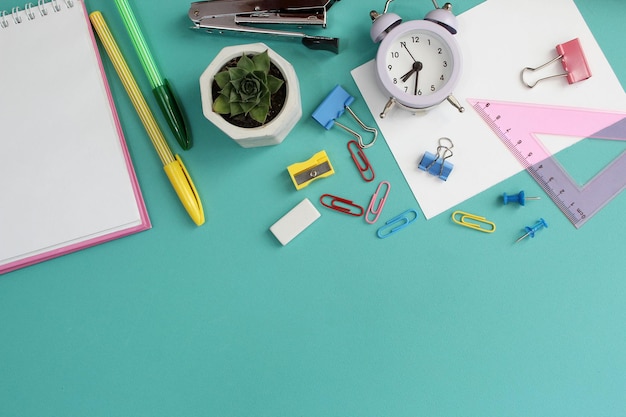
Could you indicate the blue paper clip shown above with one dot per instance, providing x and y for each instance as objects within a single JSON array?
[
  {"x": 341, "y": 205},
  {"x": 437, "y": 164},
  {"x": 396, "y": 224},
  {"x": 360, "y": 160},
  {"x": 333, "y": 107},
  {"x": 381, "y": 203}
]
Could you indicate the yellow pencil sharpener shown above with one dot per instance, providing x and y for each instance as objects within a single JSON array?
[{"x": 304, "y": 173}]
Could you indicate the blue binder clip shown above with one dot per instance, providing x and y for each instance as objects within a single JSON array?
[
  {"x": 333, "y": 107},
  {"x": 437, "y": 164}
]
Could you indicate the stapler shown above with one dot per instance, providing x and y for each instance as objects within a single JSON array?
[{"x": 242, "y": 16}]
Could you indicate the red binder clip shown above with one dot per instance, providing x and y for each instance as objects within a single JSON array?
[{"x": 573, "y": 60}]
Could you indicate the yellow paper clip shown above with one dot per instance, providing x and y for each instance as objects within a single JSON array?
[
  {"x": 303, "y": 173},
  {"x": 461, "y": 217}
]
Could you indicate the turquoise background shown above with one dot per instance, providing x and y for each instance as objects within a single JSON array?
[{"x": 221, "y": 320}]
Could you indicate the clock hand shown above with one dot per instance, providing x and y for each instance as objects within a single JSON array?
[
  {"x": 406, "y": 76},
  {"x": 416, "y": 67},
  {"x": 410, "y": 54},
  {"x": 417, "y": 74}
]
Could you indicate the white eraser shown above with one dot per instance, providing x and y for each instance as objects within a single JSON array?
[{"x": 295, "y": 221}]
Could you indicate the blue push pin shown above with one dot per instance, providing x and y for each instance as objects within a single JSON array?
[
  {"x": 333, "y": 107},
  {"x": 530, "y": 230},
  {"x": 517, "y": 198}
]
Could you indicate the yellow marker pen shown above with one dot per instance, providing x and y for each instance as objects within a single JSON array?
[{"x": 173, "y": 166}]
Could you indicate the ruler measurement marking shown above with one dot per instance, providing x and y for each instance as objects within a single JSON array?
[
  {"x": 578, "y": 203},
  {"x": 554, "y": 196},
  {"x": 523, "y": 159}
]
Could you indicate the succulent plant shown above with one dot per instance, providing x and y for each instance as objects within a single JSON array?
[{"x": 247, "y": 88}]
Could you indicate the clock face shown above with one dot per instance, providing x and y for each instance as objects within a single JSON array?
[{"x": 418, "y": 63}]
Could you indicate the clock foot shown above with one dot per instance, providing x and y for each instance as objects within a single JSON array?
[
  {"x": 388, "y": 106},
  {"x": 452, "y": 100}
]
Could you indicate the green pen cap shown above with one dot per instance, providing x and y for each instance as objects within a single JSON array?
[
  {"x": 168, "y": 104},
  {"x": 160, "y": 87}
]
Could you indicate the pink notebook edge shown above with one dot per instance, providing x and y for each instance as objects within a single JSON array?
[{"x": 145, "y": 223}]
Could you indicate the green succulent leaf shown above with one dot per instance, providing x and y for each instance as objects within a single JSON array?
[
  {"x": 259, "y": 113},
  {"x": 262, "y": 62},
  {"x": 262, "y": 76},
  {"x": 221, "y": 105},
  {"x": 266, "y": 99},
  {"x": 236, "y": 84},
  {"x": 247, "y": 107},
  {"x": 245, "y": 64},
  {"x": 222, "y": 78},
  {"x": 274, "y": 84},
  {"x": 236, "y": 109},
  {"x": 237, "y": 73}
]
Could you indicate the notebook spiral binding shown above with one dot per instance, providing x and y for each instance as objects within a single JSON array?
[{"x": 18, "y": 15}]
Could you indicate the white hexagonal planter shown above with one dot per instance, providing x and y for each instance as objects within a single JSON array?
[{"x": 273, "y": 132}]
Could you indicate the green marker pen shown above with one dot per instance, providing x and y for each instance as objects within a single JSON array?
[{"x": 160, "y": 86}]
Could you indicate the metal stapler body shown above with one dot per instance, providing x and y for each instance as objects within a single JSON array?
[{"x": 255, "y": 16}]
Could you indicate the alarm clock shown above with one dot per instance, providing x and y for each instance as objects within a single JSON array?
[{"x": 418, "y": 62}]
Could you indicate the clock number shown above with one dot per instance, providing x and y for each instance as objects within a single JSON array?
[
  {"x": 445, "y": 64},
  {"x": 419, "y": 92},
  {"x": 415, "y": 39},
  {"x": 395, "y": 81},
  {"x": 395, "y": 54},
  {"x": 442, "y": 77},
  {"x": 432, "y": 88},
  {"x": 439, "y": 51},
  {"x": 389, "y": 67}
]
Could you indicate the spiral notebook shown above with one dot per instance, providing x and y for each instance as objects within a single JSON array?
[{"x": 66, "y": 180}]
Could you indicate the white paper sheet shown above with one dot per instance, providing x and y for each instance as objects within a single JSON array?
[{"x": 498, "y": 38}]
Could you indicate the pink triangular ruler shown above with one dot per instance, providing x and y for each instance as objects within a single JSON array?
[{"x": 518, "y": 124}]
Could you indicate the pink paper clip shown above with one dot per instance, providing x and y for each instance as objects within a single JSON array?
[
  {"x": 361, "y": 161},
  {"x": 341, "y": 205},
  {"x": 378, "y": 205},
  {"x": 573, "y": 60}
]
